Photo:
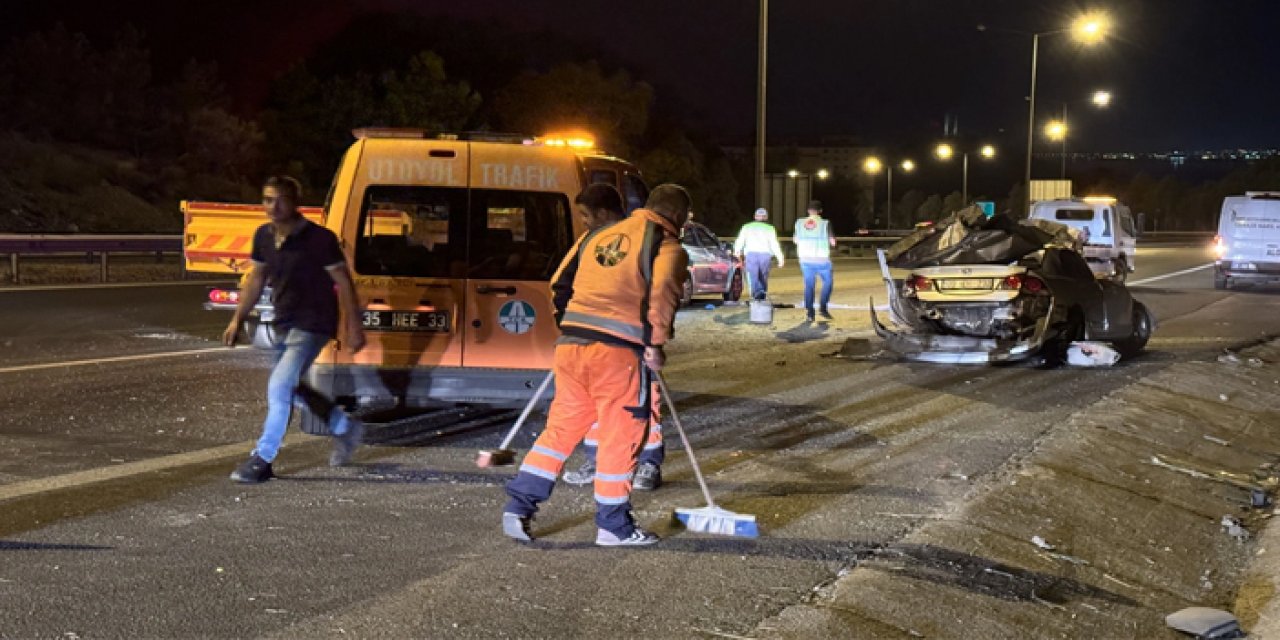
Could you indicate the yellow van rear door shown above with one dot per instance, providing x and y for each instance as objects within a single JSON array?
[
  {"x": 521, "y": 225},
  {"x": 409, "y": 232}
]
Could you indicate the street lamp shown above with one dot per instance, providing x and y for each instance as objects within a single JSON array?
[
  {"x": 823, "y": 174},
  {"x": 793, "y": 173},
  {"x": 1100, "y": 99},
  {"x": 945, "y": 151},
  {"x": 872, "y": 166},
  {"x": 1087, "y": 29}
]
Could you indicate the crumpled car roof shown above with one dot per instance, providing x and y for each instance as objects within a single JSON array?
[{"x": 969, "y": 237}]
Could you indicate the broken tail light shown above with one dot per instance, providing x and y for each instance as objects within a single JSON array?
[
  {"x": 223, "y": 296},
  {"x": 919, "y": 283},
  {"x": 1027, "y": 284}
]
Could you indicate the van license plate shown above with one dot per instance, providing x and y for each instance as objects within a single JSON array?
[{"x": 406, "y": 320}]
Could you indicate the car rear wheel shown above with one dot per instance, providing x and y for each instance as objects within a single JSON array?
[
  {"x": 1119, "y": 270},
  {"x": 734, "y": 293},
  {"x": 686, "y": 294},
  {"x": 1142, "y": 328}
]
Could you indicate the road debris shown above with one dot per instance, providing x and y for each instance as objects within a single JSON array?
[
  {"x": 1091, "y": 354},
  {"x": 1040, "y": 542},
  {"x": 1225, "y": 443},
  {"x": 1205, "y": 623},
  {"x": 1235, "y": 529}
]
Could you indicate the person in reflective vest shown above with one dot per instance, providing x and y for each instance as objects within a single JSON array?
[
  {"x": 758, "y": 242},
  {"x": 616, "y": 296},
  {"x": 600, "y": 205},
  {"x": 814, "y": 242}
]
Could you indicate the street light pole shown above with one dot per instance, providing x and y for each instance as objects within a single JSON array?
[
  {"x": 888, "y": 205},
  {"x": 964, "y": 181},
  {"x": 1031, "y": 118},
  {"x": 761, "y": 77}
]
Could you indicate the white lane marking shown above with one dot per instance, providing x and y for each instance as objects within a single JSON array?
[
  {"x": 77, "y": 363},
  {"x": 115, "y": 285},
  {"x": 103, "y": 474},
  {"x": 1170, "y": 275}
]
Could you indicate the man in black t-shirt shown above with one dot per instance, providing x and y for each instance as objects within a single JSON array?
[{"x": 309, "y": 281}]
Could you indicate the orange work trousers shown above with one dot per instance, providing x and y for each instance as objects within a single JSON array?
[{"x": 595, "y": 383}]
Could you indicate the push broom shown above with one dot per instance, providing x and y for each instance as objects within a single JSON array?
[
  {"x": 711, "y": 518},
  {"x": 503, "y": 455}
]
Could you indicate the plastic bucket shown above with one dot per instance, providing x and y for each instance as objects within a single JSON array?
[{"x": 761, "y": 311}]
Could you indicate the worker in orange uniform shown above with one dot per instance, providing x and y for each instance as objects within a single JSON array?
[
  {"x": 616, "y": 296},
  {"x": 600, "y": 205}
]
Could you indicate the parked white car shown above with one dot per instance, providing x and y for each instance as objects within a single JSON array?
[{"x": 1111, "y": 238}]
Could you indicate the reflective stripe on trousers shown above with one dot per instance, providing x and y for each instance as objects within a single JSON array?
[{"x": 601, "y": 383}]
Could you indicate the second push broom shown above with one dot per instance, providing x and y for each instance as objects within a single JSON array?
[{"x": 711, "y": 518}]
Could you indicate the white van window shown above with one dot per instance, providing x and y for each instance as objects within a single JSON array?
[
  {"x": 1126, "y": 224},
  {"x": 604, "y": 176},
  {"x": 1074, "y": 214},
  {"x": 425, "y": 232},
  {"x": 1106, "y": 223}
]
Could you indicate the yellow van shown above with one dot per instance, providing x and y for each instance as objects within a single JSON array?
[{"x": 453, "y": 240}]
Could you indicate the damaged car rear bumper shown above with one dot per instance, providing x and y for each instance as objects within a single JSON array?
[{"x": 953, "y": 349}]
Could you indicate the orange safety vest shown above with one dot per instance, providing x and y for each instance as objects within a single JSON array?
[{"x": 623, "y": 282}]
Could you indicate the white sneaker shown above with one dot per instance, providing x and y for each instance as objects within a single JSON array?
[
  {"x": 517, "y": 527},
  {"x": 638, "y": 538}
]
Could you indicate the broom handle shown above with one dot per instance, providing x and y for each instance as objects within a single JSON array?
[
  {"x": 684, "y": 439},
  {"x": 528, "y": 408}
]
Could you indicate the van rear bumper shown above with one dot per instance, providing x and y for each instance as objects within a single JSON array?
[
  {"x": 1261, "y": 271},
  {"x": 416, "y": 387}
]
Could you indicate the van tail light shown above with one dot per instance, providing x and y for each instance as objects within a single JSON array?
[
  {"x": 919, "y": 283},
  {"x": 1219, "y": 247},
  {"x": 1024, "y": 283},
  {"x": 224, "y": 296}
]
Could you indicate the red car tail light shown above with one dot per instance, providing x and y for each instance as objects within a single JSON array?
[
  {"x": 1011, "y": 283},
  {"x": 1028, "y": 284},
  {"x": 1032, "y": 285},
  {"x": 919, "y": 283},
  {"x": 222, "y": 296}
]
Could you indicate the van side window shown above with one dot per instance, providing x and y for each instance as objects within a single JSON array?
[
  {"x": 1126, "y": 223},
  {"x": 634, "y": 192},
  {"x": 1078, "y": 215},
  {"x": 412, "y": 231},
  {"x": 517, "y": 235},
  {"x": 604, "y": 176},
  {"x": 1106, "y": 222}
]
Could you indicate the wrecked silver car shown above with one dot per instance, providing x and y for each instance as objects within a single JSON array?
[{"x": 983, "y": 290}]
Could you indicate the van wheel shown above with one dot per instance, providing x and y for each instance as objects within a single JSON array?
[
  {"x": 734, "y": 293},
  {"x": 686, "y": 294},
  {"x": 1120, "y": 270},
  {"x": 261, "y": 335},
  {"x": 1142, "y": 327},
  {"x": 1220, "y": 281}
]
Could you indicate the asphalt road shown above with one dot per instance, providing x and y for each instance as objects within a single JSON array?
[{"x": 123, "y": 417}]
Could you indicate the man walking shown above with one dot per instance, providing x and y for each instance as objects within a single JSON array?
[
  {"x": 814, "y": 242},
  {"x": 758, "y": 241},
  {"x": 616, "y": 296},
  {"x": 302, "y": 262},
  {"x": 600, "y": 205}
]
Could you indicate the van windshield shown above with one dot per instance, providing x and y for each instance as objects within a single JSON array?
[
  {"x": 444, "y": 232},
  {"x": 1074, "y": 214}
]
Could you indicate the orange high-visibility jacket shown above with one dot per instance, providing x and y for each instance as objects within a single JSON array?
[{"x": 622, "y": 283}]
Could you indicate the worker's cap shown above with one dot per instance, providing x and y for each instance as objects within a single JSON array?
[
  {"x": 762, "y": 214},
  {"x": 815, "y": 205}
]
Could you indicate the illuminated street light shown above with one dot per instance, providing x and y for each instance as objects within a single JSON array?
[
  {"x": 872, "y": 165},
  {"x": 793, "y": 174},
  {"x": 944, "y": 151},
  {"x": 823, "y": 174},
  {"x": 988, "y": 151},
  {"x": 1091, "y": 28},
  {"x": 1102, "y": 99},
  {"x": 908, "y": 166},
  {"x": 1056, "y": 130}
]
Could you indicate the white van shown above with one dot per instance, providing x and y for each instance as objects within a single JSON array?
[
  {"x": 1111, "y": 238},
  {"x": 1248, "y": 242}
]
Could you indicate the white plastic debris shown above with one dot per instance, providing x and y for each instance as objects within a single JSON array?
[
  {"x": 1040, "y": 542},
  {"x": 1234, "y": 528},
  {"x": 1091, "y": 354},
  {"x": 1203, "y": 622}
]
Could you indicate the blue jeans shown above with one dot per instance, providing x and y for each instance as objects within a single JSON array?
[
  {"x": 811, "y": 272},
  {"x": 294, "y": 355}
]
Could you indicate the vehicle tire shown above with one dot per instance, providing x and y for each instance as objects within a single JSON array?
[
  {"x": 686, "y": 294},
  {"x": 734, "y": 293},
  {"x": 261, "y": 335},
  {"x": 1120, "y": 270},
  {"x": 1072, "y": 330},
  {"x": 1220, "y": 281},
  {"x": 1142, "y": 328}
]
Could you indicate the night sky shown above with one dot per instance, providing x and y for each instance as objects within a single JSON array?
[{"x": 1187, "y": 74}]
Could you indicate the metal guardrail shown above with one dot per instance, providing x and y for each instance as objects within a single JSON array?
[{"x": 16, "y": 245}]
